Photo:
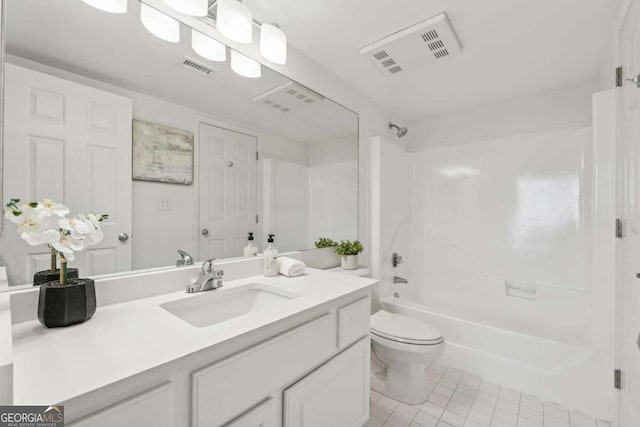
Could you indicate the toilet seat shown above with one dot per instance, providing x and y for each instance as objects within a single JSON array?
[{"x": 404, "y": 329}]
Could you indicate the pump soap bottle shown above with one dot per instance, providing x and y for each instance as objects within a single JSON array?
[
  {"x": 270, "y": 263},
  {"x": 250, "y": 249}
]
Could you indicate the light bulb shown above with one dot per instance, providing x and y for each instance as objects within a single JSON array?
[
  {"x": 207, "y": 47},
  {"x": 111, "y": 6},
  {"x": 190, "y": 7},
  {"x": 234, "y": 21},
  {"x": 160, "y": 25},
  {"x": 245, "y": 66},
  {"x": 273, "y": 43}
]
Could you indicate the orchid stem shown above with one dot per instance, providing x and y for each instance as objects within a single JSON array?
[
  {"x": 63, "y": 270},
  {"x": 54, "y": 264}
]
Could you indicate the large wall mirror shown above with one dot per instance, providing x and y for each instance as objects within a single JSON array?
[{"x": 180, "y": 151}]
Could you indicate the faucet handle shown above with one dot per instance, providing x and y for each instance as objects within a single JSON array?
[
  {"x": 186, "y": 259},
  {"x": 207, "y": 266}
]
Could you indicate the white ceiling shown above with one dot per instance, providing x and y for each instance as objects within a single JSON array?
[
  {"x": 117, "y": 49},
  {"x": 512, "y": 48}
]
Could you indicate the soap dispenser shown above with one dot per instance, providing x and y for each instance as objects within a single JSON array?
[
  {"x": 270, "y": 263},
  {"x": 250, "y": 249}
]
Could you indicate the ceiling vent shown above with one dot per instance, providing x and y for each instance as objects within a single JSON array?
[
  {"x": 288, "y": 96},
  {"x": 417, "y": 46},
  {"x": 198, "y": 67}
]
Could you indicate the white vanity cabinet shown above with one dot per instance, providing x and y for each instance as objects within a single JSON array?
[
  {"x": 330, "y": 378},
  {"x": 309, "y": 372}
]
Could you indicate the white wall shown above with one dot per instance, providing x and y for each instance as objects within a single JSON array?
[{"x": 560, "y": 108}]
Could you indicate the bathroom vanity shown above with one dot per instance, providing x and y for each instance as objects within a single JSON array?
[{"x": 257, "y": 352}]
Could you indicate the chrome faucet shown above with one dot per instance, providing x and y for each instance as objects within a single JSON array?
[
  {"x": 186, "y": 259},
  {"x": 209, "y": 279},
  {"x": 397, "y": 279}
]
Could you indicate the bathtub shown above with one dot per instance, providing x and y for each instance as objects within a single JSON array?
[{"x": 569, "y": 375}]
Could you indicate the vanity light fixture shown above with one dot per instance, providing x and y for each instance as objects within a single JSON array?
[
  {"x": 160, "y": 25},
  {"x": 273, "y": 43},
  {"x": 190, "y": 7},
  {"x": 207, "y": 47},
  {"x": 245, "y": 66},
  {"x": 111, "y": 6},
  {"x": 234, "y": 21}
]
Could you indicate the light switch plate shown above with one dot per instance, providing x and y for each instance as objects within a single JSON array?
[{"x": 164, "y": 203}]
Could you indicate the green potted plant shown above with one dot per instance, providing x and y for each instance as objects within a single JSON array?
[
  {"x": 68, "y": 300},
  {"x": 348, "y": 252},
  {"x": 324, "y": 256}
]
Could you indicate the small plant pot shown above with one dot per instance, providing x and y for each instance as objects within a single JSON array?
[
  {"x": 349, "y": 262},
  {"x": 61, "y": 306},
  {"x": 49, "y": 276},
  {"x": 324, "y": 258}
]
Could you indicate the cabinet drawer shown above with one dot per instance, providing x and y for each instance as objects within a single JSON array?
[
  {"x": 226, "y": 389},
  {"x": 354, "y": 321},
  {"x": 153, "y": 408},
  {"x": 263, "y": 415},
  {"x": 336, "y": 394}
]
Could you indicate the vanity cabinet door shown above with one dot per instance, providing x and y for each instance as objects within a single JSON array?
[
  {"x": 336, "y": 394},
  {"x": 153, "y": 408},
  {"x": 263, "y": 415}
]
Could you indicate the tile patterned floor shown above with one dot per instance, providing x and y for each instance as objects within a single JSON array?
[{"x": 458, "y": 399}]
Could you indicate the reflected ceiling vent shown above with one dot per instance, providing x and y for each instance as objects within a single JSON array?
[
  {"x": 198, "y": 67},
  {"x": 417, "y": 46},
  {"x": 288, "y": 96}
]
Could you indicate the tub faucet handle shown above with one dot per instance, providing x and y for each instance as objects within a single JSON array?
[{"x": 396, "y": 260}]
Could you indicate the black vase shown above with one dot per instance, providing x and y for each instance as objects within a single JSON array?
[
  {"x": 49, "y": 276},
  {"x": 61, "y": 306}
]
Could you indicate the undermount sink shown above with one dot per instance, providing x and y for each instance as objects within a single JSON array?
[{"x": 220, "y": 305}]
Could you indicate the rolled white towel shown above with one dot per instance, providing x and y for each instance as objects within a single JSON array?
[{"x": 290, "y": 267}]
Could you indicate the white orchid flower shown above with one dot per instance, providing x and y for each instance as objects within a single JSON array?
[
  {"x": 46, "y": 222},
  {"x": 48, "y": 207}
]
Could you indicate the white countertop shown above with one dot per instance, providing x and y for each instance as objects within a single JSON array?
[{"x": 121, "y": 340}]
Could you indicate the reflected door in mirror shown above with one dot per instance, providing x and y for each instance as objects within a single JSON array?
[
  {"x": 70, "y": 143},
  {"x": 227, "y": 191}
]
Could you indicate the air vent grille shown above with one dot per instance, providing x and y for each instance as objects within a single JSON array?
[
  {"x": 430, "y": 36},
  {"x": 412, "y": 48},
  {"x": 198, "y": 67},
  {"x": 287, "y": 97}
]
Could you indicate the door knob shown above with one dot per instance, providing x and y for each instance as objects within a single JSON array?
[
  {"x": 204, "y": 232},
  {"x": 123, "y": 237},
  {"x": 635, "y": 80}
]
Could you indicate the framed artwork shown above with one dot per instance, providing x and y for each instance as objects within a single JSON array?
[{"x": 162, "y": 154}]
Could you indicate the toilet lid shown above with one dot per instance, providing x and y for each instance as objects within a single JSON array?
[{"x": 400, "y": 328}]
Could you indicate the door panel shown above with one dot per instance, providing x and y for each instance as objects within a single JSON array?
[
  {"x": 74, "y": 146},
  {"x": 227, "y": 191},
  {"x": 628, "y": 248}
]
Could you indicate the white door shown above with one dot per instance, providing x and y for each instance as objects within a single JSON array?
[
  {"x": 227, "y": 187},
  {"x": 71, "y": 143},
  {"x": 628, "y": 248},
  {"x": 336, "y": 394}
]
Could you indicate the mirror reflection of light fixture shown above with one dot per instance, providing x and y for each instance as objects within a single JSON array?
[
  {"x": 207, "y": 47},
  {"x": 111, "y": 6},
  {"x": 234, "y": 21},
  {"x": 160, "y": 25},
  {"x": 190, "y": 7},
  {"x": 245, "y": 66},
  {"x": 273, "y": 43}
]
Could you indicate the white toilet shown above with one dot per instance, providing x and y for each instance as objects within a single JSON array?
[{"x": 406, "y": 347}]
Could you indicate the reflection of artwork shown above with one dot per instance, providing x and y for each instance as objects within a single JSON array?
[{"x": 162, "y": 154}]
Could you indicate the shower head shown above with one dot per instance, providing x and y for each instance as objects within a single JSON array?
[{"x": 399, "y": 131}]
